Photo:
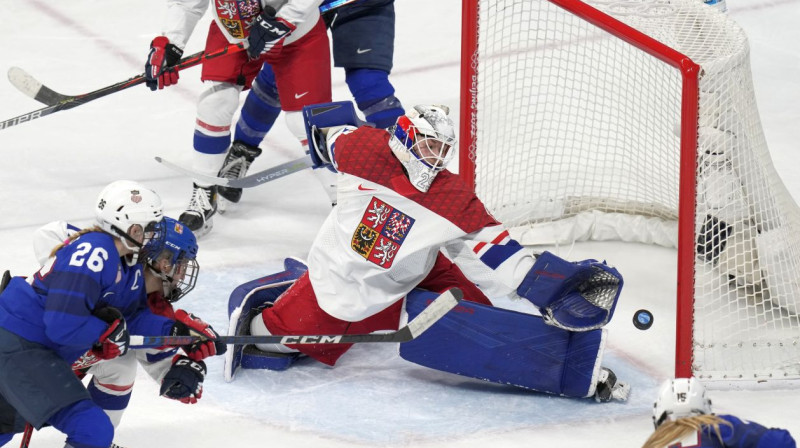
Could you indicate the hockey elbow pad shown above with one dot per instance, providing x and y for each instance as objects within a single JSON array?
[{"x": 575, "y": 296}]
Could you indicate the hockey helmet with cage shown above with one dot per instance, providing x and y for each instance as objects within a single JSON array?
[
  {"x": 423, "y": 141},
  {"x": 679, "y": 398},
  {"x": 179, "y": 249},
  {"x": 123, "y": 204}
]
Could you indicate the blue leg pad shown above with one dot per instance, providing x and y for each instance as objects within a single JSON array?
[
  {"x": 506, "y": 347},
  {"x": 247, "y": 300}
]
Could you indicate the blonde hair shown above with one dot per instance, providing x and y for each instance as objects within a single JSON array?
[
  {"x": 674, "y": 431},
  {"x": 74, "y": 237}
]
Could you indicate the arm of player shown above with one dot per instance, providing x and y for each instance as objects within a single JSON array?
[
  {"x": 48, "y": 237},
  {"x": 187, "y": 324},
  {"x": 181, "y": 19},
  {"x": 166, "y": 50},
  {"x": 297, "y": 11},
  {"x": 324, "y": 124},
  {"x": 492, "y": 259}
]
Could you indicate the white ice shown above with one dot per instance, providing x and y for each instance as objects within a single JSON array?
[{"x": 53, "y": 168}]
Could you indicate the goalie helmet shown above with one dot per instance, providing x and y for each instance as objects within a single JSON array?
[
  {"x": 175, "y": 260},
  {"x": 123, "y": 204},
  {"x": 423, "y": 141},
  {"x": 679, "y": 398}
]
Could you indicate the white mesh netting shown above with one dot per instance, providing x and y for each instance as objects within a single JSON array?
[{"x": 578, "y": 137}]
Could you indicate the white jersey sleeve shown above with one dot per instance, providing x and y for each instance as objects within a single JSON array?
[
  {"x": 156, "y": 362},
  {"x": 492, "y": 260},
  {"x": 50, "y": 235},
  {"x": 303, "y": 14},
  {"x": 181, "y": 19}
]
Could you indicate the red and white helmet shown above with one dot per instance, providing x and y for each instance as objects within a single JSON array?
[
  {"x": 678, "y": 398},
  {"x": 423, "y": 141},
  {"x": 125, "y": 203}
]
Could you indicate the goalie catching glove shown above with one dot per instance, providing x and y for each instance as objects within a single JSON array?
[
  {"x": 575, "y": 296},
  {"x": 184, "y": 380},
  {"x": 188, "y": 324}
]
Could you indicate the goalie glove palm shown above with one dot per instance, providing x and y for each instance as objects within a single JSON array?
[{"x": 184, "y": 380}]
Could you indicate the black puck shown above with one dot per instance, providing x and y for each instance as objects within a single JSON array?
[{"x": 643, "y": 319}]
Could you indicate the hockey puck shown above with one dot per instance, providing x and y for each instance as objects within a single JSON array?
[{"x": 643, "y": 319}]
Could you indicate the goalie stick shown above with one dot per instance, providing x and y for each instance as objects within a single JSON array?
[
  {"x": 56, "y": 102},
  {"x": 249, "y": 181},
  {"x": 424, "y": 320}
]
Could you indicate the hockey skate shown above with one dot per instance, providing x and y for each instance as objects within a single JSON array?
[
  {"x": 236, "y": 164},
  {"x": 609, "y": 388},
  {"x": 202, "y": 207}
]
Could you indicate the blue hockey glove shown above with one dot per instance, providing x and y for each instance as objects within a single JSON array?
[
  {"x": 267, "y": 34},
  {"x": 184, "y": 380}
]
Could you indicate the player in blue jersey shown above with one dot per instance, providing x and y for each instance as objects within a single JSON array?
[
  {"x": 683, "y": 419},
  {"x": 84, "y": 298},
  {"x": 362, "y": 33},
  {"x": 169, "y": 273}
]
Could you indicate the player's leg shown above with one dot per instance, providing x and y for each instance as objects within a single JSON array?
[
  {"x": 112, "y": 383},
  {"x": 367, "y": 66},
  {"x": 259, "y": 112},
  {"x": 445, "y": 275},
  {"x": 41, "y": 386},
  {"x": 303, "y": 76},
  {"x": 216, "y": 107},
  {"x": 509, "y": 347},
  {"x": 248, "y": 301},
  {"x": 297, "y": 312}
]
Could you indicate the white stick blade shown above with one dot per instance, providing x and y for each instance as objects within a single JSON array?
[{"x": 435, "y": 311}]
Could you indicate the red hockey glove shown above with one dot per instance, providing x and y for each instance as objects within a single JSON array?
[
  {"x": 267, "y": 34},
  {"x": 184, "y": 380},
  {"x": 159, "y": 69},
  {"x": 188, "y": 324},
  {"x": 115, "y": 341}
]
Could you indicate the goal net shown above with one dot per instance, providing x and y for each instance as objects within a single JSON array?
[{"x": 637, "y": 121}]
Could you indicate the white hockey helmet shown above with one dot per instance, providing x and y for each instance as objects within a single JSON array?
[
  {"x": 125, "y": 203},
  {"x": 678, "y": 398},
  {"x": 423, "y": 141}
]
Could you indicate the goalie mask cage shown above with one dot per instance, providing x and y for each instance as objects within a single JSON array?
[{"x": 637, "y": 121}]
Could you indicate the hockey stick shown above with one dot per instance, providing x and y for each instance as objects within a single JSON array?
[
  {"x": 252, "y": 180},
  {"x": 26, "y": 436},
  {"x": 33, "y": 88},
  {"x": 424, "y": 320}
]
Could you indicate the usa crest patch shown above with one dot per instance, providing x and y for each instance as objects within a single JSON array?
[{"x": 380, "y": 233}]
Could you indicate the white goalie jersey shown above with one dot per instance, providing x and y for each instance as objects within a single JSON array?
[{"x": 384, "y": 235}]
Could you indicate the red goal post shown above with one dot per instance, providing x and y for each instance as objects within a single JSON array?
[{"x": 642, "y": 114}]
